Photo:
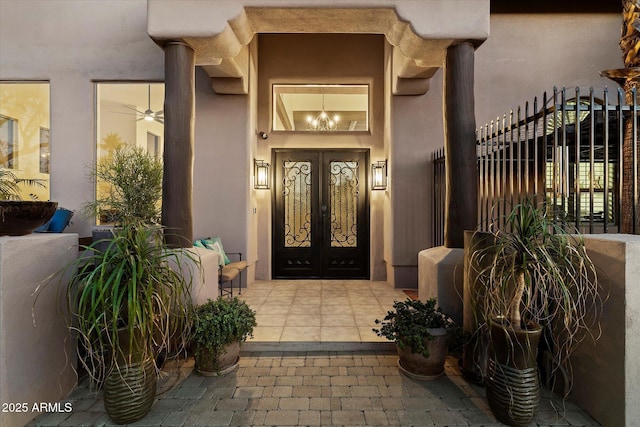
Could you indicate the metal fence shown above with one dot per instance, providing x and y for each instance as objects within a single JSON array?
[
  {"x": 439, "y": 194},
  {"x": 577, "y": 153}
]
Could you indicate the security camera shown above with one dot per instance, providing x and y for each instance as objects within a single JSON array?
[{"x": 263, "y": 135}]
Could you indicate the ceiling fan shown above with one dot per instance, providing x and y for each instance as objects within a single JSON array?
[{"x": 149, "y": 115}]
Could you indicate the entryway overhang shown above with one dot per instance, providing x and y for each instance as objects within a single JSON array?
[
  {"x": 216, "y": 35},
  {"x": 220, "y": 31}
]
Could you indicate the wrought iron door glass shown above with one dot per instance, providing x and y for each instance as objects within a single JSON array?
[
  {"x": 344, "y": 189},
  {"x": 296, "y": 191}
]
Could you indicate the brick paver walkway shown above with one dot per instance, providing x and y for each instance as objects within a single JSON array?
[{"x": 314, "y": 389}]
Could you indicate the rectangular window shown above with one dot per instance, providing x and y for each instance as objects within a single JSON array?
[
  {"x": 597, "y": 213},
  {"x": 153, "y": 145},
  {"x": 127, "y": 114},
  {"x": 8, "y": 143},
  {"x": 320, "y": 108},
  {"x": 24, "y": 135},
  {"x": 45, "y": 150},
  {"x": 566, "y": 181}
]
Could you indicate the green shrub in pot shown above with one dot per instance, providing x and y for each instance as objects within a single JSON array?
[
  {"x": 219, "y": 328},
  {"x": 420, "y": 329}
]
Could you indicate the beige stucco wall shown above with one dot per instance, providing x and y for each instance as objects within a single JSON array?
[
  {"x": 606, "y": 373},
  {"x": 254, "y": 245},
  {"x": 413, "y": 120},
  {"x": 221, "y": 171},
  {"x": 37, "y": 353},
  {"x": 528, "y": 54}
]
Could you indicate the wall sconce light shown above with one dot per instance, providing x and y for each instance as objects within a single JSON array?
[
  {"x": 261, "y": 175},
  {"x": 379, "y": 175}
]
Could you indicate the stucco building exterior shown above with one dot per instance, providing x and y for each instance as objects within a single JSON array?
[
  {"x": 212, "y": 86},
  {"x": 242, "y": 49}
]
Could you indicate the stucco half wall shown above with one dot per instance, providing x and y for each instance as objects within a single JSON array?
[
  {"x": 606, "y": 373},
  {"x": 37, "y": 352}
]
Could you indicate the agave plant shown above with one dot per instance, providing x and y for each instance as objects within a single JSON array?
[{"x": 535, "y": 273}]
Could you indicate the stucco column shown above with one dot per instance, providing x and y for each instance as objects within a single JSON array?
[
  {"x": 179, "y": 118},
  {"x": 461, "y": 201}
]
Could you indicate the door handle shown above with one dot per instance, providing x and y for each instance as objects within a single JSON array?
[{"x": 323, "y": 209}]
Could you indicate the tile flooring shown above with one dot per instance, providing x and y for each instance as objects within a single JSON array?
[
  {"x": 313, "y": 361},
  {"x": 319, "y": 314}
]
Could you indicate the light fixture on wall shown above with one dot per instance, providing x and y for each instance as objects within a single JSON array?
[
  {"x": 261, "y": 175},
  {"x": 323, "y": 122},
  {"x": 379, "y": 175}
]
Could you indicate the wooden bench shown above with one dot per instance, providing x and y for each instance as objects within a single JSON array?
[{"x": 230, "y": 272}]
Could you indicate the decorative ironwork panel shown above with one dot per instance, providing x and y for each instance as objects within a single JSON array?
[
  {"x": 296, "y": 192},
  {"x": 344, "y": 190}
]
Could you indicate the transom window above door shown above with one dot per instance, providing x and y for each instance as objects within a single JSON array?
[{"x": 321, "y": 108}]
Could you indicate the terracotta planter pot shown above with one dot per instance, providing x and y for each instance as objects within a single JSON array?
[
  {"x": 513, "y": 386},
  {"x": 208, "y": 365},
  {"x": 426, "y": 368},
  {"x": 18, "y": 218}
]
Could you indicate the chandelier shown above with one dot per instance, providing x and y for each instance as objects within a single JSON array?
[{"x": 323, "y": 121}]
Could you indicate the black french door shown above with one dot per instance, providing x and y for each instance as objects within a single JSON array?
[{"x": 321, "y": 214}]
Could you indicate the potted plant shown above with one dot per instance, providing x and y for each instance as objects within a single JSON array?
[
  {"x": 126, "y": 301},
  {"x": 422, "y": 333},
  {"x": 19, "y": 217},
  {"x": 219, "y": 328},
  {"x": 535, "y": 282}
]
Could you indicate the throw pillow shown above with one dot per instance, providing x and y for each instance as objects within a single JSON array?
[{"x": 216, "y": 243}]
